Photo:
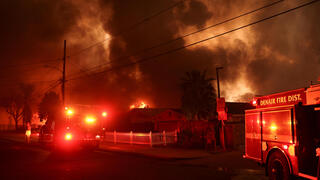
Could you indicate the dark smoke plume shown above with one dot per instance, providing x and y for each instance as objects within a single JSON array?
[{"x": 276, "y": 55}]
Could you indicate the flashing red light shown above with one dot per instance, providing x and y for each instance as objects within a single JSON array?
[
  {"x": 69, "y": 112},
  {"x": 90, "y": 120},
  {"x": 285, "y": 147},
  {"x": 254, "y": 102},
  {"x": 97, "y": 136},
  {"x": 68, "y": 136}
]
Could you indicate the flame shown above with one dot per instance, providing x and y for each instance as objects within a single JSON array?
[
  {"x": 143, "y": 105},
  {"x": 140, "y": 105}
]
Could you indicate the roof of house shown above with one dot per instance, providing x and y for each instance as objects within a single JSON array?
[{"x": 152, "y": 111}]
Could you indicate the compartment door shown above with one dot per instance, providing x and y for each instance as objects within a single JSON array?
[{"x": 253, "y": 135}]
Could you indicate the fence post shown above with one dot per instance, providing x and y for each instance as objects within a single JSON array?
[
  {"x": 175, "y": 136},
  {"x": 150, "y": 138},
  {"x": 115, "y": 137},
  {"x": 131, "y": 137},
  {"x": 164, "y": 138}
]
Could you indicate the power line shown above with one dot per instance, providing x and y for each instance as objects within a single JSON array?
[
  {"x": 184, "y": 36},
  {"x": 201, "y": 41},
  {"x": 131, "y": 27},
  {"x": 51, "y": 86}
]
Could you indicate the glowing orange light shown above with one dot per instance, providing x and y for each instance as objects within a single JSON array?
[
  {"x": 273, "y": 127},
  {"x": 97, "y": 137},
  {"x": 69, "y": 112},
  {"x": 66, "y": 108},
  {"x": 68, "y": 136},
  {"x": 90, "y": 120},
  {"x": 132, "y": 106},
  {"x": 104, "y": 114}
]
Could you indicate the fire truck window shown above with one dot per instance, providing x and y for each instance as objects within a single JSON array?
[{"x": 277, "y": 125}]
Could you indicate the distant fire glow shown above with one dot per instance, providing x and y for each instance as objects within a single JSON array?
[{"x": 141, "y": 105}]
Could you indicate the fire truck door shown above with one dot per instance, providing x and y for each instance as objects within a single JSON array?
[
  {"x": 308, "y": 134},
  {"x": 253, "y": 135}
]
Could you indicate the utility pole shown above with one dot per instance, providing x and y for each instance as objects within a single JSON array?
[
  {"x": 218, "y": 83},
  {"x": 64, "y": 73},
  {"x": 221, "y": 128}
]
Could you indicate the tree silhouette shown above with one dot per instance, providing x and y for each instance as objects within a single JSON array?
[
  {"x": 27, "y": 93},
  {"x": 49, "y": 107},
  {"x": 18, "y": 104},
  {"x": 199, "y": 97},
  {"x": 14, "y": 107}
]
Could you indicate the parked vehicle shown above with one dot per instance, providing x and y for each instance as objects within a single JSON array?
[{"x": 282, "y": 133}]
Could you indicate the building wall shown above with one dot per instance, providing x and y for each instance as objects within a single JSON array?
[
  {"x": 168, "y": 120},
  {"x": 235, "y": 131}
]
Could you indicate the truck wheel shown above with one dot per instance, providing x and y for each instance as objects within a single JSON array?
[{"x": 278, "y": 167}]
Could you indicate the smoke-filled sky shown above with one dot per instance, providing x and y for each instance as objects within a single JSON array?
[{"x": 279, "y": 54}]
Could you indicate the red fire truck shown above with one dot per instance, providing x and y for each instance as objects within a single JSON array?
[
  {"x": 282, "y": 133},
  {"x": 82, "y": 125}
]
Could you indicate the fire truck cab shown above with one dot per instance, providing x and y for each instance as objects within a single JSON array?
[{"x": 282, "y": 133}]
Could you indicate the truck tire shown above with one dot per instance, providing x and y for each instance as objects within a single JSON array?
[{"x": 278, "y": 167}]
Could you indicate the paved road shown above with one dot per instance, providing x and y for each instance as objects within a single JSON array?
[{"x": 22, "y": 161}]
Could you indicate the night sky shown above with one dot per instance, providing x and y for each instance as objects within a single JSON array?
[{"x": 276, "y": 55}]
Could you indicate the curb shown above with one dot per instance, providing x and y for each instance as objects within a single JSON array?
[
  {"x": 149, "y": 155},
  {"x": 139, "y": 154}
]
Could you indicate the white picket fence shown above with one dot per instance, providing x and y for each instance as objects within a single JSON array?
[{"x": 150, "y": 138}]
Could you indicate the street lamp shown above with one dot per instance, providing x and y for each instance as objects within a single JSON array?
[{"x": 218, "y": 83}]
